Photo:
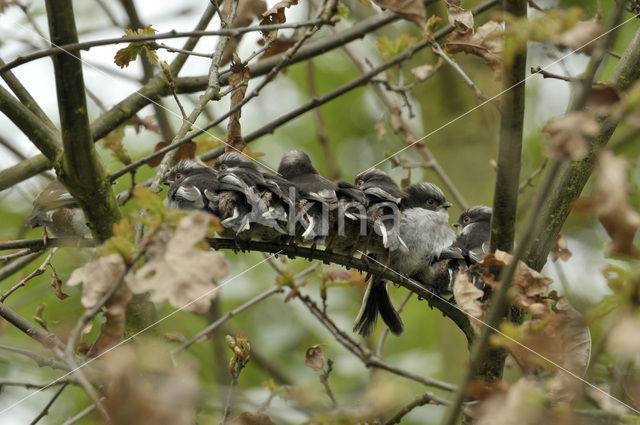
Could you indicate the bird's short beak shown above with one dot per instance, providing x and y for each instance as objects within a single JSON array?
[
  {"x": 446, "y": 205},
  {"x": 167, "y": 182},
  {"x": 456, "y": 224}
]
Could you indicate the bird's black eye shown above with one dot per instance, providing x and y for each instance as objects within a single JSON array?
[
  {"x": 178, "y": 176},
  {"x": 431, "y": 202},
  {"x": 222, "y": 167},
  {"x": 466, "y": 219},
  {"x": 359, "y": 183}
]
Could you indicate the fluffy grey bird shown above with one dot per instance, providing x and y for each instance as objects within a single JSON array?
[
  {"x": 58, "y": 212},
  {"x": 424, "y": 229}
]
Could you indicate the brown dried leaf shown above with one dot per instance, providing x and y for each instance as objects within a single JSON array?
[
  {"x": 487, "y": 42},
  {"x": 458, "y": 17},
  {"x": 178, "y": 271},
  {"x": 602, "y": 99},
  {"x": 185, "y": 151},
  {"x": 276, "y": 15},
  {"x": 411, "y": 10},
  {"x": 246, "y": 12},
  {"x": 56, "y": 282},
  {"x": 612, "y": 204},
  {"x": 248, "y": 418},
  {"x": 239, "y": 78},
  {"x": 278, "y": 45},
  {"x": 569, "y": 134},
  {"x": 467, "y": 297},
  {"x": 575, "y": 338},
  {"x": 314, "y": 358},
  {"x": 145, "y": 389},
  {"x": 560, "y": 249},
  {"x": 577, "y": 36},
  {"x": 113, "y": 330}
]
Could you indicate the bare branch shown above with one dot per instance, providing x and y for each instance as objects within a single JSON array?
[{"x": 37, "y": 272}]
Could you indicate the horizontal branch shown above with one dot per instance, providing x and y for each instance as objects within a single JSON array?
[
  {"x": 45, "y": 338},
  {"x": 39, "y": 244},
  {"x": 86, "y": 45},
  {"x": 439, "y": 278}
]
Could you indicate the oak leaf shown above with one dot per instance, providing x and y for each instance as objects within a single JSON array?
[
  {"x": 178, "y": 271},
  {"x": 487, "y": 41},
  {"x": 411, "y": 10},
  {"x": 467, "y": 297}
]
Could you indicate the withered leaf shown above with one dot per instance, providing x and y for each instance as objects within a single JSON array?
[
  {"x": 612, "y": 204},
  {"x": 602, "y": 99},
  {"x": 178, "y": 271},
  {"x": 577, "y": 37},
  {"x": 98, "y": 277},
  {"x": 560, "y": 249},
  {"x": 458, "y": 17},
  {"x": 314, "y": 358},
  {"x": 411, "y": 10},
  {"x": 248, "y": 418},
  {"x": 278, "y": 45},
  {"x": 246, "y": 12},
  {"x": 575, "y": 338},
  {"x": 185, "y": 151},
  {"x": 276, "y": 15},
  {"x": 239, "y": 78},
  {"x": 56, "y": 282},
  {"x": 569, "y": 134},
  {"x": 467, "y": 297},
  {"x": 487, "y": 42}
]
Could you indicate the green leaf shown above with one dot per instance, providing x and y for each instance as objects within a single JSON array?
[
  {"x": 128, "y": 54},
  {"x": 150, "y": 201}
]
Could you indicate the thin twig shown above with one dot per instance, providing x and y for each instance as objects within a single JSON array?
[
  {"x": 17, "y": 254},
  {"x": 364, "y": 354},
  {"x": 209, "y": 329},
  {"x": 533, "y": 175},
  {"x": 39, "y": 244},
  {"x": 234, "y": 32},
  {"x": 426, "y": 398},
  {"x": 324, "y": 379},
  {"x": 435, "y": 47},
  {"x": 549, "y": 74},
  {"x": 32, "y": 385},
  {"x": 80, "y": 415},
  {"x": 37, "y": 272},
  {"x": 40, "y": 360},
  {"x": 45, "y": 411},
  {"x": 212, "y": 92},
  {"x": 385, "y": 331}
]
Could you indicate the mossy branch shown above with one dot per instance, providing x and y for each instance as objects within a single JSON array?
[{"x": 81, "y": 171}]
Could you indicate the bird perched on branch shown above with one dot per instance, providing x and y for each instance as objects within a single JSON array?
[
  {"x": 318, "y": 194},
  {"x": 58, "y": 212},
  {"x": 189, "y": 182},
  {"x": 267, "y": 202},
  {"x": 471, "y": 244},
  {"x": 425, "y": 231}
]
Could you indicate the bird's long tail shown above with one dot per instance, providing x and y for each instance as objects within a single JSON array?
[{"x": 376, "y": 300}]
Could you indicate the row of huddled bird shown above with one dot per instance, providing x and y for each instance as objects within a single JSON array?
[{"x": 406, "y": 230}]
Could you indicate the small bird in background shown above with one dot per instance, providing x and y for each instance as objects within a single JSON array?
[
  {"x": 474, "y": 230},
  {"x": 471, "y": 244},
  {"x": 58, "y": 212},
  {"x": 424, "y": 229}
]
